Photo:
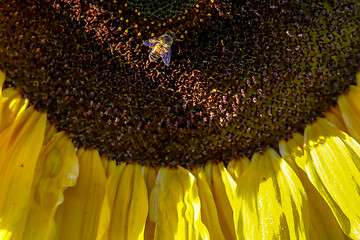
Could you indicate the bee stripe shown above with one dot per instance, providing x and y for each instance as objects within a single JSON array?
[{"x": 155, "y": 54}]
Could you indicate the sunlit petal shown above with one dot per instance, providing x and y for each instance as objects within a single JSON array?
[
  {"x": 273, "y": 201},
  {"x": 349, "y": 105},
  {"x": 2, "y": 80},
  {"x": 209, "y": 214},
  {"x": 57, "y": 168},
  {"x": 223, "y": 188},
  {"x": 150, "y": 174},
  {"x": 18, "y": 166},
  {"x": 323, "y": 224},
  {"x": 128, "y": 200},
  {"x": 11, "y": 106},
  {"x": 335, "y": 117},
  {"x": 175, "y": 206},
  {"x": 332, "y": 163},
  {"x": 78, "y": 216},
  {"x": 237, "y": 166}
]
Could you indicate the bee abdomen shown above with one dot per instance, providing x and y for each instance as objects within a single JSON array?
[
  {"x": 155, "y": 54},
  {"x": 153, "y": 57}
]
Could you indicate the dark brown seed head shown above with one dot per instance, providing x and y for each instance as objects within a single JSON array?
[{"x": 243, "y": 75}]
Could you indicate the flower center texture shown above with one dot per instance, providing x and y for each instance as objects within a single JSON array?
[
  {"x": 160, "y": 8},
  {"x": 242, "y": 74}
]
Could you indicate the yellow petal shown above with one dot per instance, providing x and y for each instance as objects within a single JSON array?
[
  {"x": 294, "y": 150},
  {"x": 128, "y": 200},
  {"x": 350, "y": 109},
  {"x": 273, "y": 202},
  {"x": 56, "y": 169},
  {"x": 78, "y": 216},
  {"x": 11, "y": 106},
  {"x": 59, "y": 169},
  {"x": 332, "y": 165},
  {"x": 18, "y": 166},
  {"x": 323, "y": 224},
  {"x": 109, "y": 165},
  {"x": 334, "y": 116},
  {"x": 150, "y": 174},
  {"x": 237, "y": 166},
  {"x": 175, "y": 206},
  {"x": 2, "y": 80},
  {"x": 50, "y": 132},
  {"x": 209, "y": 213},
  {"x": 104, "y": 221},
  {"x": 223, "y": 188},
  {"x": 110, "y": 196}
]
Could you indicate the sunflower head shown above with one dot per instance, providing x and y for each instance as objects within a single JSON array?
[{"x": 242, "y": 76}]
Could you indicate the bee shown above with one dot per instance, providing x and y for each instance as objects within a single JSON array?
[{"x": 161, "y": 47}]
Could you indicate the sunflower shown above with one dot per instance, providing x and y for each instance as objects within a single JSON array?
[{"x": 99, "y": 142}]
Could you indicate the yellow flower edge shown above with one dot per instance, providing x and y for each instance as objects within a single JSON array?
[{"x": 51, "y": 190}]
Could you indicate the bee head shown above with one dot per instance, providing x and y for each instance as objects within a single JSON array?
[
  {"x": 167, "y": 40},
  {"x": 170, "y": 33},
  {"x": 168, "y": 37}
]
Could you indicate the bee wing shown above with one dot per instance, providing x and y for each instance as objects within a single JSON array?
[
  {"x": 151, "y": 42},
  {"x": 166, "y": 56}
]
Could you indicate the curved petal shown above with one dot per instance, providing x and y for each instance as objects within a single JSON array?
[
  {"x": 334, "y": 116},
  {"x": 128, "y": 200},
  {"x": 223, "y": 188},
  {"x": 349, "y": 105},
  {"x": 273, "y": 203},
  {"x": 149, "y": 174},
  {"x": 332, "y": 163},
  {"x": 175, "y": 206},
  {"x": 12, "y": 105},
  {"x": 50, "y": 132},
  {"x": 236, "y": 167},
  {"x": 19, "y": 159},
  {"x": 2, "y": 80},
  {"x": 209, "y": 213},
  {"x": 56, "y": 169},
  {"x": 323, "y": 224},
  {"x": 82, "y": 203}
]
